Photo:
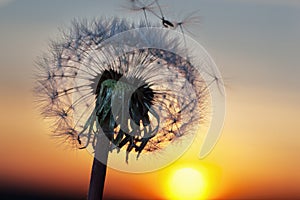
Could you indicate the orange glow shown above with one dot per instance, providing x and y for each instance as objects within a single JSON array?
[{"x": 247, "y": 162}]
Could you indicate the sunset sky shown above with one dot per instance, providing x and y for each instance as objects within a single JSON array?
[{"x": 255, "y": 44}]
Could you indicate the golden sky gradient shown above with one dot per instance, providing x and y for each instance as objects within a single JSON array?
[{"x": 252, "y": 159}]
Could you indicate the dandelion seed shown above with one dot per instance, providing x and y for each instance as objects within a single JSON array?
[
  {"x": 144, "y": 6},
  {"x": 165, "y": 23},
  {"x": 190, "y": 19}
]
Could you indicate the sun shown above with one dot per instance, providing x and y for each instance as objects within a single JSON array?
[{"x": 186, "y": 183}]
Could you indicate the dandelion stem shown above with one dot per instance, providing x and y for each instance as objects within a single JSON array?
[{"x": 99, "y": 169}]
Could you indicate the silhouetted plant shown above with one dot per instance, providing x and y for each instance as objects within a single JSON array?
[{"x": 105, "y": 97}]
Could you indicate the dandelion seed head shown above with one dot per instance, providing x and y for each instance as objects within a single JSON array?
[{"x": 122, "y": 80}]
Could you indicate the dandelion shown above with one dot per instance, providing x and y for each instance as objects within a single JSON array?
[{"x": 111, "y": 86}]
